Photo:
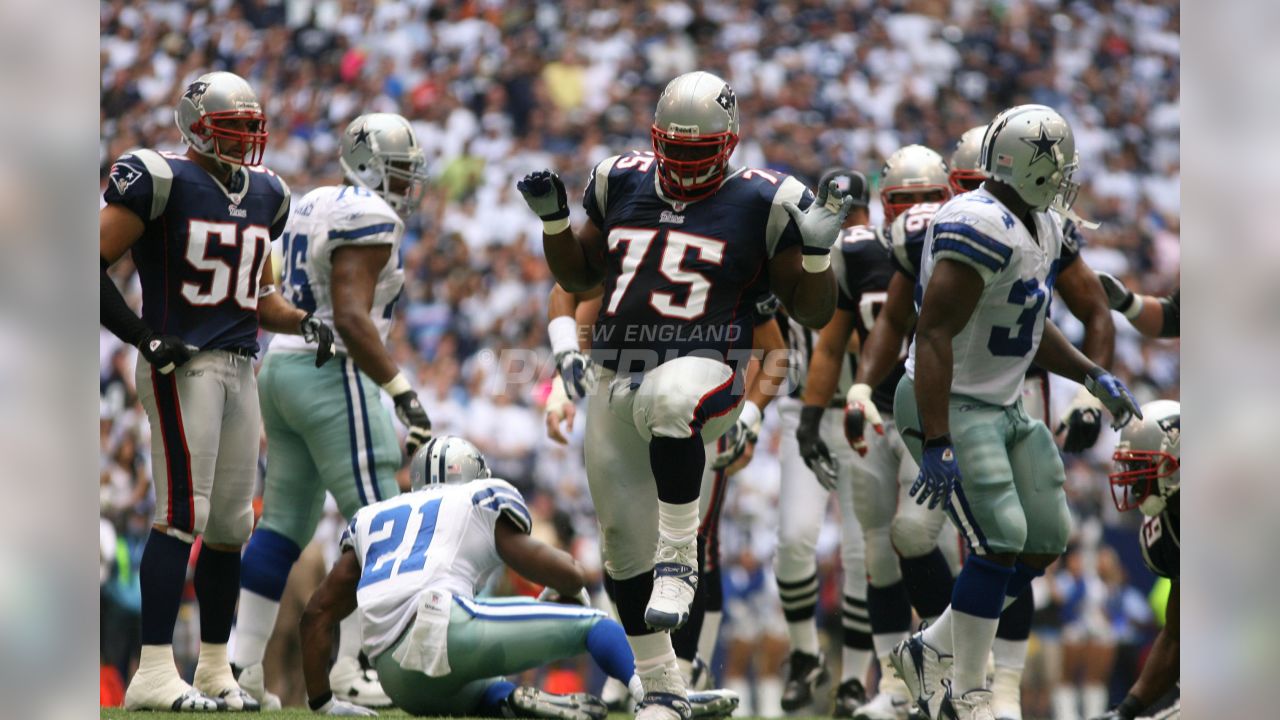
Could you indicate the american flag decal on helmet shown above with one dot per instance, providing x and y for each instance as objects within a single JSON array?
[{"x": 1004, "y": 160}]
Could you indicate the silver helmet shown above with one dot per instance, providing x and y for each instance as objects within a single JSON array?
[
  {"x": 1031, "y": 149},
  {"x": 219, "y": 116},
  {"x": 911, "y": 175},
  {"x": 446, "y": 460},
  {"x": 966, "y": 174},
  {"x": 380, "y": 152},
  {"x": 1146, "y": 473},
  {"x": 695, "y": 130}
]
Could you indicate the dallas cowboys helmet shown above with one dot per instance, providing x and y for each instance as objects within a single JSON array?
[
  {"x": 966, "y": 175},
  {"x": 912, "y": 175},
  {"x": 1031, "y": 149},
  {"x": 219, "y": 116},
  {"x": 380, "y": 152},
  {"x": 1146, "y": 473},
  {"x": 695, "y": 130},
  {"x": 446, "y": 460}
]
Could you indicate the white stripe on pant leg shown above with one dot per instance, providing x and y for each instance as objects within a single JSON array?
[
  {"x": 532, "y": 611},
  {"x": 962, "y": 520},
  {"x": 365, "y": 479}
]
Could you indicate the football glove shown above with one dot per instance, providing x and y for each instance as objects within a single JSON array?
[
  {"x": 858, "y": 411},
  {"x": 1119, "y": 297},
  {"x": 544, "y": 193},
  {"x": 577, "y": 372},
  {"x": 314, "y": 330},
  {"x": 166, "y": 352},
  {"x": 1082, "y": 422},
  {"x": 414, "y": 417},
  {"x": 342, "y": 708},
  {"x": 820, "y": 224},
  {"x": 1114, "y": 396},
  {"x": 550, "y": 594},
  {"x": 939, "y": 472},
  {"x": 736, "y": 439},
  {"x": 812, "y": 449}
]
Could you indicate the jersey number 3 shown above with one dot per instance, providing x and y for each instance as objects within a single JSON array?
[
  {"x": 635, "y": 244},
  {"x": 1003, "y": 342}
]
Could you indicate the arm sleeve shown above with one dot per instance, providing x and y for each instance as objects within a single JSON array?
[
  {"x": 498, "y": 498},
  {"x": 1172, "y": 306},
  {"x": 967, "y": 243},
  {"x": 116, "y": 315}
]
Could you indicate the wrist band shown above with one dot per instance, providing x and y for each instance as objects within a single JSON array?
[
  {"x": 1134, "y": 309},
  {"x": 940, "y": 441},
  {"x": 816, "y": 263},
  {"x": 555, "y": 227},
  {"x": 397, "y": 385},
  {"x": 750, "y": 415},
  {"x": 563, "y": 333}
]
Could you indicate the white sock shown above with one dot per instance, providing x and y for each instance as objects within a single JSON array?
[
  {"x": 255, "y": 619},
  {"x": 885, "y": 642},
  {"x": 686, "y": 669},
  {"x": 746, "y": 703},
  {"x": 1064, "y": 703},
  {"x": 938, "y": 634},
  {"x": 769, "y": 690},
  {"x": 709, "y": 636},
  {"x": 212, "y": 662},
  {"x": 804, "y": 636},
  {"x": 350, "y": 636},
  {"x": 971, "y": 645},
  {"x": 855, "y": 663},
  {"x": 157, "y": 661},
  {"x": 1010, "y": 654},
  {"x": 652, "y": 651},
  {"x": 678, "y": 524},
  {"x": 1095, "y": 700}
]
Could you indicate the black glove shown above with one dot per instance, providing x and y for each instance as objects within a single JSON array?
[
  {"x": 544, "y": 193},
  {"x": 812, "y": 449},
  {"x": 414, "y": 417},
  {"x": 1082, "y": 421},
  {"x": 314, "y": 330},
  {"x": 166, "y": 352}
]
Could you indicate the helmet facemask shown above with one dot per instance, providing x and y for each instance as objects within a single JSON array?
[
  {"x": 400, "y": 178},
  {"x": 691, "y": 166},
  {"x": 899, "y": 199},
  {"x": 1137, "y": 481},
  {"x": 251, "y": 142},
  {"x": 963, "y": 181}
]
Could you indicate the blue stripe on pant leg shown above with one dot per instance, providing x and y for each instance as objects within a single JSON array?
[
  {"x": 351, "y": 431},
  {"x": 368, "y": 436}
]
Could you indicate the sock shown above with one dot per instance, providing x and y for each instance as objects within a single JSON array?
[
  {"x": 161, "y": 575},
  {"x": 1095, "y": 699},
  {"x": 975, "y": 608},
  {"x": 212, "y": 662},
  {"x": 491, "y": 701},
  {"x": 1065, "y": 702},
  {"x": 799, "y": 598},
  {"x": 804, "y": 636},
  {"x": 254, "y": 625},
  {"x": 685, "y": 637},
  {"x": 746, "y": 700},
  {"x": 769, "y": 694},
  {"x": 651, "y": 651},
  {"x": 350, "y": 636},
  {"x": 710, "y": 637},
  {"x": 1009, "y": 654},
  {"x": 1020, "y": 583},
  {"x": 632, "y": 597},
  {"x": 268, "y": 558},
  {"x": 607, "y": 643},
  {"x": 678, "y": 523},
  {"x": 857, "y": 650},
  {"x": 938, "y": 633},
  {"x": 1015, "y": 621},
  {"x": 890, "y": 611},
  {"x": 157, "y": 660},
  {"x": 217, "y": 584},
  {"x": 677, "y": 467},
  {"x": 929, "y": 582}
]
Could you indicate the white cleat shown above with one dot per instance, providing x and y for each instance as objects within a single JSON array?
[
  {"x": 224, "y": 689},
  {"x": 1006, "y": 694},
  {"x": 893, "y": 702},
  {"x": 530, "y": 702},
  {"x": 712, "y": 703},
  {"x": 354, "y": 684},
  {"x": 665, "y": 697},
  {"x": 973, "y": 705},
  {"x": 171, "y": 695},
  {"x": 675, "y": 580},
  {"x": 619, "y": 697},
  {"x": 922, "y": 668},
  {"x": 253, "y": 681}
]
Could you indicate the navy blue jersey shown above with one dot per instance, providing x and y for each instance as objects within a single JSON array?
[
  {"x": 204, "y": 246},
  {"x": 684, "y": 279},
  {"x": 1161, "y": 541},
  {"x": 863, "y": 268}
]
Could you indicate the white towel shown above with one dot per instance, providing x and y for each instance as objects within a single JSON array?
[{"x": 426, "y": 649}]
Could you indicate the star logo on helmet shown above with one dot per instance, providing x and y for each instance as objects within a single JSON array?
[
  {"x": 1044, "y": 145},
  {"x": 726, "y": 99},
  {"x": 361, "y": 136},
  {"x": 195, "y": 91}
]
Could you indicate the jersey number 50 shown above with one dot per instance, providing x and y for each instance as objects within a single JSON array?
[
  {"x": 635, "y": 244},
  {"x": 251, "y": 245}
]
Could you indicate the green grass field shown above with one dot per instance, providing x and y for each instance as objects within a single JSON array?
[{"x": 293, "y": 714}]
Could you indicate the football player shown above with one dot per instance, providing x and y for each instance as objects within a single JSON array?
[
  {"x": 877, "y": 469},
  {"x": 1147, "y": 477},
  {"x": 326, "y": 429},
  {"x": 683, "y": 243},
  {"x": 1152, "y": 316},
  {"x": 199, "y": 228},
  {"x": 987, "y": 266}
]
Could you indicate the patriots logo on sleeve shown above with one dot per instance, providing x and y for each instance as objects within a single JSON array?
[{"x": 122, "y": 176}]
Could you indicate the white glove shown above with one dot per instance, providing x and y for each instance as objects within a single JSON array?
[
  {"x": 342, "y": 708},
  {"x": 736, "y": 439},
  {"x": 1082, "y": 421},
  {"x": 550, "y": 594},
  {"x": 858, "y": 411},
  {"x": 820, "y": 225}
]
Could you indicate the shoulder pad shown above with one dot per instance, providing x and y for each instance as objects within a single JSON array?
[
  {"x": 128, "y": 168},
  {"x": 501, "y": 497},
  {"x": 598, "y": 183},
  {"x": 974, "y": 233},
  {"x": 788, "y": 190}
]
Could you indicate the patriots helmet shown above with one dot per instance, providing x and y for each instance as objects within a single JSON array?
[
  {"x": 966, "y": 175},
  {"x": 694, "y": 132},
  {"x": 219, "y": 116},
  {"x": 912, "y": 175},
  {"x": 1146, "y": 473}
]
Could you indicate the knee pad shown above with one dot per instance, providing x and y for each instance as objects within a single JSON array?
[
  {"x": 882, "y": 561},
  {"x": 794, "y": 562},
  {"x": 233, "y": 528},
  {"x": 912, "y": 535},
  {"x": 201, "y": 515},
  {"x": 685, "y": 396},
  {"x": 622, "y": 557}
]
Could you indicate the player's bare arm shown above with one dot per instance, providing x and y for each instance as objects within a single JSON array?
[
  {"x": 1152, "y": 316},
  {"x": 277, "y": 315},
  {"x": 1087, "y": 300},
  {"x": 810, "y": 297},
  {"x": 538, "y": 561},
  {"x": 828, "y": 355},
  {"x": 883, "y": 348},
  {"x": 1160, "y": 673},
  {"x": 577, "y": 261},
  {"x": 771, "y": 370},
  {"x": 1057, "y": 355},
  {"x": 949, "y": 301},
  {"x": 332, "y": 601},
  {"x": 353, "y": 280}
]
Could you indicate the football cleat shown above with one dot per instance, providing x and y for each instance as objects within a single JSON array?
[
  {"x": 712, "y": 703},
  {"x": 805, "y": 674},
  {"x": 973, "y": 705},
  {"x": 675, "y": 580},
  {"x": 922, "y": 668},
  {"x": 171, "y": 696},
  {"x": 253, "y": 681},
  {"x": 699, "y": 677},
  {"x": 617, "y": 696},
  {"x": 355, "y": 684},
  {"x": 893, "y": 702},
  {"x": 664, "y": 706},
  {"x": 849, "y": 697},
  {"x": 1006, "y": 694},
  {"x": 530, "y": 702},
  {"x": 220, "y": 684}
]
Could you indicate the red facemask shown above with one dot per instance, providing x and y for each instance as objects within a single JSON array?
[
  {"x": 908, "y": 196},
  {"x": 691, "y": 168},
  {"x": 251, "y": 143},
  {"x": 962, "y": 181},
  {"x": 1137, "y": 474}
]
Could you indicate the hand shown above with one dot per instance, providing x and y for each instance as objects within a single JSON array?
[
  {"x": 414, "y": 417},
  {"x": 577, "y": 372},
  {"x": 1119, "y": 297},
  {"x": 820, "y": 224},
  {"x": 743, "y": 433},
  {"x": 812, "y": 449},
  {"x": 544, "y": 193},
  {"x": 858, "y": 411},
  {"x": 939, "y": 472},
  {"x": 166, "y": 352},
  {"x": 550, "y": 594},
  {"x": 1114, "y": 395},
  {"x": 1082, "y": 421},
  {"x": 314, "y": 330},
  {"x": 342, "y": 708},
  {"x": 560, "y": 409}
]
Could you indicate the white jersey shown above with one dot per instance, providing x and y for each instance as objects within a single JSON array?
[
  {"x": 437, "y": 538},
  {"x": 993, "y": 351},
  {"x": 325, "y": 219}
]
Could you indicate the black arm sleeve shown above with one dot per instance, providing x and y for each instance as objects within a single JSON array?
[
  {"x": 1172, "y": 305},
  {"x": 116, "y": 315}
]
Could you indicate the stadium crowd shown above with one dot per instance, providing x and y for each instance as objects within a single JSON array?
[{"x": 497, "y": 89}]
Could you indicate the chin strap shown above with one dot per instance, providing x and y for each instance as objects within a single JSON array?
[{"x": 1073, "y": 217}]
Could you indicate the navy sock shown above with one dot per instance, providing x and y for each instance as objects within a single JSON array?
[
  {"x": 491, "y": 700},
  {"x": 929, "y": 582},
  {"x": 856, "y": 617},
  {"x": 890, "y": 608},
  {"x": 162, "y": 573},
  {"x": 799, "y": 598},
  {"x": 1023, "y": 574},
  {"x": 677, "y": 466},
  {"x": 685, "y": 638},
  {"x": 217, "y": 583},
  {"x": 267, "y": 562},
  {"x": 607, "y": 643},
  {"x": 631, "y": 596},
  {"x": 979, "y": 591},
  {"x": 1015, "y": 621}
]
